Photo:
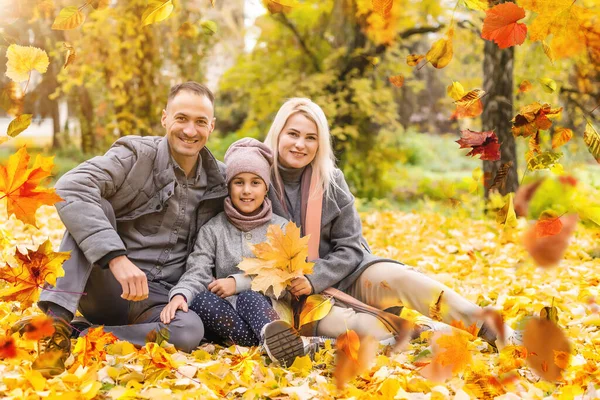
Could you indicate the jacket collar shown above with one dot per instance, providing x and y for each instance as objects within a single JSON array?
[{"x": 164, "y": 173}]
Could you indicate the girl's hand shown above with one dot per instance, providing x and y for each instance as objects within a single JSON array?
[
  {"x": 178, "y": 302},
  {"x": 224, "y": 287},
  {"x": 300, "y": 286}
]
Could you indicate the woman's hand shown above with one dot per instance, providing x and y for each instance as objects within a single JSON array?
[
  {"x": 300, "y": 286},
  {"x": 178, "y": 302},
  {"x": 224, "y": 287}
]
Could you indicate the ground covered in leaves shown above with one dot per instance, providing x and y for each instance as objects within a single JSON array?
[{"x": 480, "y": 259}]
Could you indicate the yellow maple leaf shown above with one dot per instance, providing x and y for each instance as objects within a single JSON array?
[
  {"x": 562, "y": 19},
  {"x": 35, "y": 268},
  {"x": 278, "y": 260},
  {"x": 19, "y": 185},
  {"x": 24, "y": 59}
]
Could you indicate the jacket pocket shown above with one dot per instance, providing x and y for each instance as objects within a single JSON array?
[{"x": 149, "y": 224}]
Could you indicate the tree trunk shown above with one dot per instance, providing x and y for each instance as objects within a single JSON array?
[
  {"x": 497, "y": 113},
  {"x": 86, "y": 120}
]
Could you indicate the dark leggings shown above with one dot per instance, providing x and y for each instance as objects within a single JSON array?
[{"x": 241, "y": 325}]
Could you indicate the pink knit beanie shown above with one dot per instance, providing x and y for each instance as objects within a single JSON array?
[{"x": 249, "y": 155}]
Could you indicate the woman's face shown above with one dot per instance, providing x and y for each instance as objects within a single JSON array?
[
  {"x": 298, "y": 142},
  {"x": 247, "y": 192}
]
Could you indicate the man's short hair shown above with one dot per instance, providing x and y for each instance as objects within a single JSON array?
[{"x": 194, "y": 87}]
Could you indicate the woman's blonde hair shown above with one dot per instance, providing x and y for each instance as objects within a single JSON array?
[{"x": 324, "y": 161}]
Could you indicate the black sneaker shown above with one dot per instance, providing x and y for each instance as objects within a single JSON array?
[
  {"x": 53, "y": 350},
  {"x": 282, "y": 343}
]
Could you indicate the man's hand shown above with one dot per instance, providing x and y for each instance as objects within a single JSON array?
[
  {"x": 224, "y": 287},
  {"x": 178, "y": 302},
  {"x": 132, "y": 279},
  {"x": 300, "y": 286}
]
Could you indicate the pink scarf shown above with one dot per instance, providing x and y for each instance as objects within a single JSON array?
[
  {"x": 246, "y": 223},
  {"x": 312, "y": 208}
]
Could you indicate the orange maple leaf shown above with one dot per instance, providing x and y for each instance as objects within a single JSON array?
[
  {"x": 353, "y": 356},
  {"x": 40, "y": 326},
  {"x": 349, "y": 343},
  {"x": 8, "y": 349},
  {"x": 91, "y": 347},
  {"x": 35, "y": 268},
  {"x": 19, "y": 185},
  {"x": 532, "y": 118},
  {"x": 500, "y": 25},
  {"x": 453, "y": 351},
  {"x": 159, "y": 357},
  {"x": 472, "y": 329}
]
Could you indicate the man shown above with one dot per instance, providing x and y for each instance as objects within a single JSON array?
[{"x": 131, "y": 217}]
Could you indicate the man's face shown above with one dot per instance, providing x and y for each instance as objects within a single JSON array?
[{"x": 189, "y": 120}]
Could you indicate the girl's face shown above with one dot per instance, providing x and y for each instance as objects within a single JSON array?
[
  {"x": 247, "y": 192},
  {"x": 298, "y": 142}
]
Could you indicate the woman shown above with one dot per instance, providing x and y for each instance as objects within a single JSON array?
[{"x": 309, "y": 190}]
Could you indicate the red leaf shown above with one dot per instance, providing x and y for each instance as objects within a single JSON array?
[
  {"x": 484, "y": 143},
  {"x": 7, "y": 347},
  {"x": 548, "y": 227},
  {"x": 40, "y": 327},
  {"x": 500, "y": 25}
]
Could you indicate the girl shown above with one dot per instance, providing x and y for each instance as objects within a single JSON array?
[
  {"x": 312, "y": 192},
  {"x": 226, "y": 305}
]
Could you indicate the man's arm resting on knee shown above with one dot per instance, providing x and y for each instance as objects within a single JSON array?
[{"x": 132, "y": 279}]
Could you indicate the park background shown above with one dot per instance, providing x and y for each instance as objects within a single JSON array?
[{"x": 421, "y": 198}]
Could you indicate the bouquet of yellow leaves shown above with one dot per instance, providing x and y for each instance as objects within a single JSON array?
[{"x": 278, "y": 260}]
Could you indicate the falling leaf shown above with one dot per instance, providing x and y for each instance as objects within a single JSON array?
[
  {"x": 414, "y": 59},
  {"x": 543, "y": 339},
  {"x": 546, "y": 226},
  {"x": 500, "y": 25},
  {"x": 100, "y": 4},
  {"x": 91, "y": 348},
  {"x": 315, "y": 308},
  {"x": 534, "y": 144},
  {"x": 68, "y": 18},
  {"x": 543, "y": 160},
  {"x": 525, "y": 86},
  {"x": 500, "y": 179},
  {"x": 561, "y": 136},
  {"x": 482, "y": 143},
  {"x": 24, "y": 59},
  {"x": 549, "y": 85},
  {"x": 12, "y": 98},
  {"x": 383, "y": 7},
  {"x": 19, "y": 124},
  {"x": 453, "y": 351},
  {"x": 40, "y": 327},
  {"x": 472, "y": 329},
  {"x": 469, "y": 105},
  {"x": 591, "y": 137},
  {"x": 397, "y": 80},
  {"x": 455, "y": 90},
  {"x": 278, "y": 260},
  {"x": 352, "y": 361},
  {"x": 568, "y": 180},
  {"x": 34, "y": 270},
  {"x": 8, "y": 348},
  {"x": 548, "y": 51},
  {"x": 156, "y": 11},
  {"x": 209, "y": 27},
  {"x": 19, "y": 185},
  {"x": 562, "y": 19},
  {"x": 506, "y": 215},
  {"x": 281, "y": 6},
  {"x": 212, "y": 3},
  {"x": 435, "y": 309},
  {"x": 349, "y": 343},
  {"x": 549, "y": 250},
  {"x": 71, "y": 55},
  {"x": 550, "y": 313},
  {"x": 532, "y": 118},
  {"x": 480, "y": 5},
  {"x": 441, "y": 51}
]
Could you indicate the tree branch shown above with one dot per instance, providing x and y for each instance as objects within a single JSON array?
[{"x": 287, "y": 23}]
